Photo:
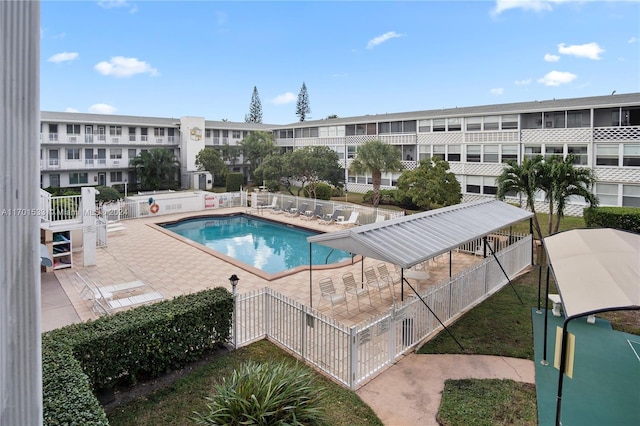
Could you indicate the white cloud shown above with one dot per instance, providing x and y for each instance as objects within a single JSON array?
[
  {"x": 523, "y": 82},
  {"x": 63, "y": 57},
  {"x": 102, "y": 109},
  {"x": 551, "y": 58},
  {"x": 497, "y": 91},
  {"x": 633, "y": 40},
  {"x": 556, "y": 78},
  {"x": 534, "y": 5},
  {"x": 70, "y": 110},
  {"x": 285, "y": 98},
  {"x": 589, "y": 50},
  {"x": 119, "y": 66},
  {"x": 382, "y": 38},
  {"x": 111, "y": 4}
]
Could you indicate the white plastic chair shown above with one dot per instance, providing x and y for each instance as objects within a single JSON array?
[
  {"x": 329, "y": 292},
  {"x": 351, "y": 287}
]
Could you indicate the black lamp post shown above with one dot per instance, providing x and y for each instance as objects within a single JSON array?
[{"x": 233, "y": 279}]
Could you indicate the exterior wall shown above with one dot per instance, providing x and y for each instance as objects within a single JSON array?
[{"x": 574, "y": 125}]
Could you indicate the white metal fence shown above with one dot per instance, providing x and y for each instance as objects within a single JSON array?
[{"x": 352, "y": 355}]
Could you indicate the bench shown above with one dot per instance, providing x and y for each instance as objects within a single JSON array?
[{"x": 557, "y": 305}]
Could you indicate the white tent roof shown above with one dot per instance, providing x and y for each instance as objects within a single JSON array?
[
  {"x": 409, "y": 240},
  {"x": 595, "y": 269}
]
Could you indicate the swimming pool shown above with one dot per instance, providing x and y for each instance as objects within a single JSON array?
[{"x": 269, "y": 246}]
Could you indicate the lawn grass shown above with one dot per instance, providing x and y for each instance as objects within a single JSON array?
[
  {"x": 492, "y": 402},
  {"x": 175, "y": 404}
]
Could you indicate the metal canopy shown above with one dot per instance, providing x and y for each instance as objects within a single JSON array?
[
  {"x": 595, "y": 269},
  {"x": 409, "y": 240}
]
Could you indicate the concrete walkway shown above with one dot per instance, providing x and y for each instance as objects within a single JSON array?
[{"x": 409, "y": 392}]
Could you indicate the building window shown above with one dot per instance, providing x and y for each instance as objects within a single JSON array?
[
  {"x": 207, "y": 133},
  {"x": 439, "y": 151},
  {"x": 630, "y": 196},
  {"x": 340, "y": 151},
  {"x": 409, "y": 126},
  {"x": 580, "y": 154},
  {"x": 424, "y": 126},
  {"x": 236, "y": 134},
  {"x": 574, "y": 119},
  {"x": 453, "y": 153},
  {"x": 245, "y": 133},
  {"x": 531, "y": 151},
  {"x": 116, "y": 176},
  {"x": 73, "y": 153},
  {"x": 491, "y": 154},
  {"x": 510, "y": 122},
  {"x": 115, "y": 153},
  {"x": 115, "y": 130},
  {"x": 53, "y": 132},
  {"x": 132, "y": 134},
  {"x": 553, "y": 151},
  {"x": 424, "y": 152},
  {"x": 607, "y": 194},
  {"x": 491, "y": 122},
  {"x": 351, "y": 152},
  {"x": 158, "y": 131},
  {"x": 473, "y": 184},
  {"x": 78, "y": 178},
  {"x": 631, "y": 156},
  {"x": 473, "y": 153},
  {"x": 54, "y": 180},
  {"x": 474, "y": 124},
  {"x": 509, "y": 152},
  {"x": 490, "y": 187},
  {"x": 73, "y": 129},
  {"x": 606, "y": 155},
  {"x": 131, "y": 153},
  {"x": 454, "y": 124},
  {"x": 439, "y": 125}
]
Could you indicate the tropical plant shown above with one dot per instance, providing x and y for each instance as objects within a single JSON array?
[
  {"x": 522, "y": 179},
  {"x": 255, "y": 108},
  {"x": 256, "y": 147},
  {"x": 107, "y": 194},
  {"x": 302, "y": 107},
  {"x": 314, "y": 164},
  {"x": 230, "y": 153},
  {"x": 376, "y": 157},
  {"x": 209, "y": 159},
  {"x": 430, "y": 185},
  {"x": 272, "y": 393},
  {"x": 157, "y": 168}
]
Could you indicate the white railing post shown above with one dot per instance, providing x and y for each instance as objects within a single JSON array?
[{"x": 353, "y": 357}]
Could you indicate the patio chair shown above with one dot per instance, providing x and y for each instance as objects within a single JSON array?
[
  {"x": 295, "y": 212},
  {"x": 329, "y": 292},
  {"x": 352, "y": 287},
  {"x": 331, "y": 219},
  {"x": 392, "y": 278},
  {"x": 380, "y": 218},
  {"x": 372, "y": 281},
  {"x": 352, "y": 221},
  {"x": 316, "y": 213},
  {"x": 273, "y": 205},
  {"x": 281, "y": 210}
]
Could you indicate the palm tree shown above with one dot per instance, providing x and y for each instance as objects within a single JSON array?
[
  {"x": 567, "y": 181},
  {"x": 157, "y": 168},
  {"x": 524, "y": 179},
  {"x": 376, "y": 157}
]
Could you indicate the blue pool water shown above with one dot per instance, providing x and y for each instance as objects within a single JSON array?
[{"x": 268, "y": 246}]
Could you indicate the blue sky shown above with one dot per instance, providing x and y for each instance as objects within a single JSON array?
[{"x": 203, "y": 58}]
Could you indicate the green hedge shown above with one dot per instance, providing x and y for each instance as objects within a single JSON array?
[
  {"x": 141, "y": 343},
  {"x": 234, "y": 181},
  {"x": 624, "y": 218}
]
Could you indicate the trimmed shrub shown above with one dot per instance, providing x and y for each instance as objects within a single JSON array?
[
  {"x": 234, "y": 181},
  {"x": 323, "y": 191},
  {"x": 387, "y": 196},
  {"x": 107, "y": 194},
  {"x": 265, "y": 394},
  {"x": 623, "y": 218}
]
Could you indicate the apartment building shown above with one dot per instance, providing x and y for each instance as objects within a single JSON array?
[{"x": 603, "y": 133}]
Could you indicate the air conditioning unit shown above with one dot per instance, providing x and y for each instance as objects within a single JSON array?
[
  {"x": 73, "y": 139},
  {"x": 116, "y": 162},
  {"x": 115, "y": 140}
]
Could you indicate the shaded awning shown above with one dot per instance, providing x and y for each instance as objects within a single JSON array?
[
  {"x": 409, "y": 240},
  {"x": 595, "y": 269}
]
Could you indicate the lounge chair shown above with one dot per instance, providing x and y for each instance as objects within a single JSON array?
[
  {"x": 331, "y": 219},
  {"x": 379, "y": 218},
  {"x": 329, "y": 292},
  {"x": 352, "y": 287},
  {"x": 279, "y": 210},
  {"x": 353, "y": 220},
  {"x": 273, "y": 205},
  {"x": 296, "y": 212},
  {"x": 317, "y": 213}
]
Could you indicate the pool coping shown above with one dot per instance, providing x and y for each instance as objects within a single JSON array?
[{"x": 251, "y": 269}]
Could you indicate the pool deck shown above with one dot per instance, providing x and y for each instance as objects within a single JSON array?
[{"x": 170, "y": 266}]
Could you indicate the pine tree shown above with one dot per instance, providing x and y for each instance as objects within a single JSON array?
[
  {"x": 255, "y": 109},
  {"x": 302, "y": 107}
]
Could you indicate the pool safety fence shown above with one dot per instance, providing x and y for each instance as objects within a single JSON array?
[{"x": 352, "y": 355}]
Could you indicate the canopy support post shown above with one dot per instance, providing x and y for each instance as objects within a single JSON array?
[
  {"x": 563, "y": 363},
  {"x": 310, "y": 276},
  {"x": 493, "y": 253},
  {"x": 546, "y": 321},
  {"x": 433, "y": 313}
]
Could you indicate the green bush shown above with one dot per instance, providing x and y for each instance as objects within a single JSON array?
[
  {"x": 623, "y": 218},
  {"x": 234, "y": 181},
  {"x": 145, "y": 342},
  {"x": 107, "y": 194},
  {"x": 265, "y": 394},
  {"x": 387, "y": 196},
  {"x": 323, "y": 192}
]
